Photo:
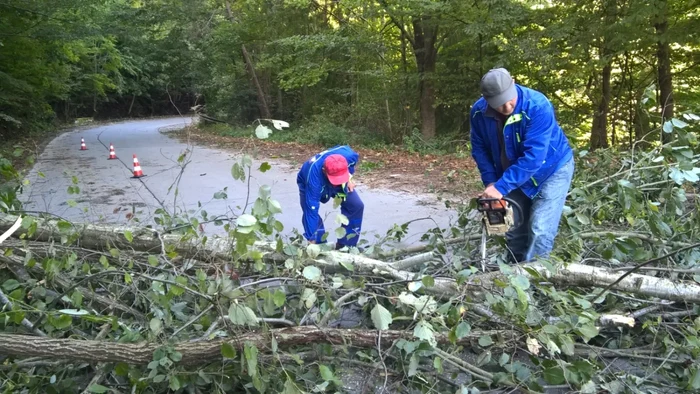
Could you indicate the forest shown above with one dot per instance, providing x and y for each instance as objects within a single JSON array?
[{"x": 93, "y": 308}]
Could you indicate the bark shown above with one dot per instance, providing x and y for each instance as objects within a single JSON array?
[
  {"x": 588, "y": 276},
  {"x": 425, "y": 50},
  {"x": 262, "y": 102},
  {"x": 204, "y": 352},
  {"x": 599, "y": 131},
  {"x": 663, "y": 54},
  {"x": 106, "y": 237}
]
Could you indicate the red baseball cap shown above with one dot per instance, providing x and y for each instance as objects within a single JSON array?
[{"x": 336, "y": 169}]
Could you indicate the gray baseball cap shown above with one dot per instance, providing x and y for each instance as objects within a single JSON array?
[{"x": 498, "y": 87}]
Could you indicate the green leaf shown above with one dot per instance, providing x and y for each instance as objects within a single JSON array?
[
  {"x": 437, "y": 364},
  {"x": 428, "y": 281},
  {"x": 554, "y": 375},
  {"x": 342, "y": 219},
  {"x": 227, "y": 350},
  {"x": 588, "y": 331},
  {"x": 668, "y": 127},
  {"x": 262, "y": 132},
  {"x": 98, "y": 388},
  {"x": 503, "y": 360},
  {"x": 61, "y": 322},
  {"x": 463, "y": 329},
  {"x": 156, "y": 325},
  {"x": 520, "y": 282},
  {"x": 485, "y": 340},
  {"x": 312, "y": 273},
  {"x": 413, "y": 365},
  {"x": 246, "y": 220},
  {"x": 290, "y": 387},
  {"x": 251, "y": 356},
  {"x": 679, "y": 123},
  {"x": 340, "y": 232},
  {"x": 424, "y": 331},
  {"x": 694, "y": 382},
  {"x": 279, "y": 298},
  {"x": 264, "y": 167},
  {"x": 483, "y": 358},
  {"x": 129, "y": 237},
  {"x": 237, "y": 172},
  {"x": 381, "y": 317},
  {"x": 326, "y": 373},
  {"x": 220, "y": 196},
  {"x": 174, "y": 383},
  {"x": 241, "y": 315},
  {"x": 274, "y": 206},
  {"x": 10, "y": 285},
  {"x": 153, "y": 261},
  {"x": 313, "y": 250},
  {"x": 308, "y": 297}
]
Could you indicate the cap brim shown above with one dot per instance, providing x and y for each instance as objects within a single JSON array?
[
  {"x": 502, "y": 98},
  {"x": 339, "y": 179}
]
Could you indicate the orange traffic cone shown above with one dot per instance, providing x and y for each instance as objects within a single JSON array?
[
  {"x": 112, "y": 154},
  {"x": 82, "y": 144},
  {"x": 137, "y": 168}
]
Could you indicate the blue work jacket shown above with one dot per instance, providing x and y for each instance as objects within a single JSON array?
[
  {"x": 314, "y": 187},
  {"x": 535, "y": 144}
]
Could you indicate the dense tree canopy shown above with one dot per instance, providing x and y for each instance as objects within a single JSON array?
[{"x": 388, "y": 69}]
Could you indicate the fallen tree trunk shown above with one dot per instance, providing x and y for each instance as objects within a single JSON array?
[
  {"x": 147, "y": 240},
  {"x": 589, "y": 276},
  {"x": 203, "y": 352}
]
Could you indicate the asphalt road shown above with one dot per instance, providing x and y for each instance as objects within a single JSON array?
[{"x": 109, "y": 194}]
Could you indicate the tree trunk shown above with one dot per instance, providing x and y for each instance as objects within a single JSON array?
[
  {"x": 663, "y": 55},
  {"x": 106, "y": 237},
  {"x": 424, "y": 47},
  {"x": 197, "y": 353},
  {"x": 262, "y": 103},
  {"x": 599, "y": 131}
]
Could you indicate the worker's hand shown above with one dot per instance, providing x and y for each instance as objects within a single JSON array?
[
  {"x": 492, "y": 192},
  {"x": 351, "y": 186}
]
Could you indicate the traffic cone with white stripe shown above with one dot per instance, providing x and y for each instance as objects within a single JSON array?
[
  {"x": 82, "y": 144},
  {"x": 112, "y": 154},
  {"x": 138, "y": 173}
]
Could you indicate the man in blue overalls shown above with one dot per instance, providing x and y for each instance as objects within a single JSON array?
[
  {"x": 327, "y": 175},
  {"x": 522, "y": 153}
]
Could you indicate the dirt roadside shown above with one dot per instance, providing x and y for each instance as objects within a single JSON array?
[{"x": 449, "y": 176}]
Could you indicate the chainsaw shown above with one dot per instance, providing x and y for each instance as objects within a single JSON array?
[{"x": 497, "y": 219}]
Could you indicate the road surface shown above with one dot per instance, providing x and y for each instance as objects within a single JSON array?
[{"x": 109, "y": 194}]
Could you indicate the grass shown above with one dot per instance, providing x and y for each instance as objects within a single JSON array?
[{"x": 325, "y": 133}]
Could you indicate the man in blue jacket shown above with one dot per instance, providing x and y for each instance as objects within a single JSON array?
[
  {"x": 327, "y": 175},
  {"x": 522, "y": 153}
]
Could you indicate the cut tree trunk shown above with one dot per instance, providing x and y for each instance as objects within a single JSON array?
[{"x": 198, "y": 353}]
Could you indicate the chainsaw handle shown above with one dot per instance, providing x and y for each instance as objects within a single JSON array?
[{"x": 481, "y": 201}]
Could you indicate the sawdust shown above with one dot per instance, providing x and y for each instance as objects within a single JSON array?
[{"x": 392, "y": 167}]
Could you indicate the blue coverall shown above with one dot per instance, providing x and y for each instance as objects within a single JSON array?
[{"x": 314, "y": 189}]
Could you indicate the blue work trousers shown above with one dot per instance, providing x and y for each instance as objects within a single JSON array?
[{"x": 535, "y": 238}]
